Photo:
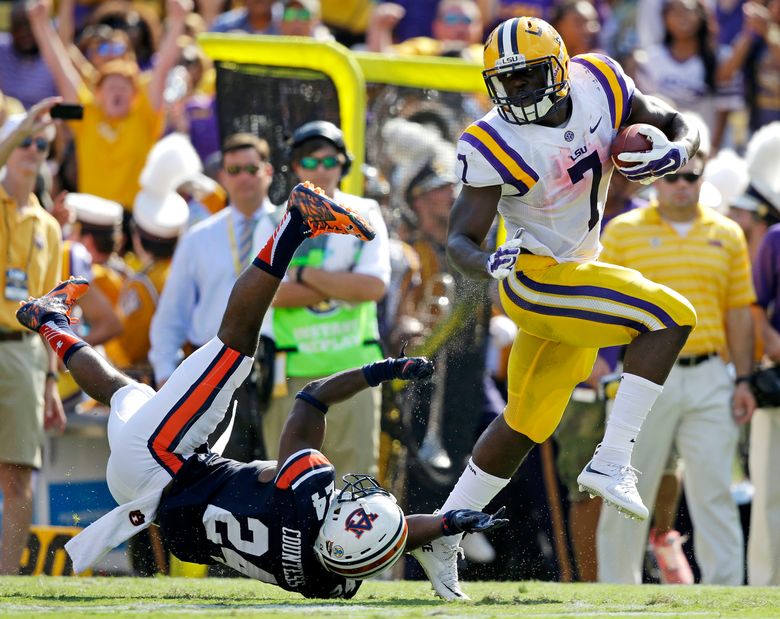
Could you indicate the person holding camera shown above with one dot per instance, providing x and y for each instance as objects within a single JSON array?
[
  {"x": 30, "y": 255},
  {"x": 325, "y": 312}
]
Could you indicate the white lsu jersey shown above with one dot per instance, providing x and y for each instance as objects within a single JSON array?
[{"x": 554, "y": 180}]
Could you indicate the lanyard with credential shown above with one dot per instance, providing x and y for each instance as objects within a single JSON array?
[{"x": 234, "y": 246}]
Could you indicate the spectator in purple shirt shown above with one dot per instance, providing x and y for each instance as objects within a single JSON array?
[
  {"x": 763, "y": 556},
  {"x": 406, "y": 18},
  {"x": 190, "y": 110},
  {"x": 23, "y": 73}
]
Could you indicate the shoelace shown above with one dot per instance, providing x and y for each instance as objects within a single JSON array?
[
  {"x": 451, "y": 554},
  {"x": 627, "y": 477}
]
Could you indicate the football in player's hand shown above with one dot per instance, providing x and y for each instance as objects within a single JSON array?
[{"x": 629, "y": 140}]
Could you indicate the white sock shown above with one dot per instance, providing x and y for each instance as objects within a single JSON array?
[
  {"x": 635, "y": 397},
  {"x": 474, "y": 490}
]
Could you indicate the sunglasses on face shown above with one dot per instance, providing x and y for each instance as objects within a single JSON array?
[
  {"x": 41, "y": 144},
  {"x": 688, "y": 177},
  {"x": 108, "y": 48},
  {"x": 453, "y": 19},
  {"x": 312, "y": 163},
  {"x": 293, "y": 14},
  {"x": 235, "y": 170}
]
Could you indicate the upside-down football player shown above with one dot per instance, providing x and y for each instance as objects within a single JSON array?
[
  {"x": 280, "y": 523},
  {"x": 542, "y": 159}
]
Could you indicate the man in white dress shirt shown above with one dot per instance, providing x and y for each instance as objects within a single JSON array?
[{"x": 206, "y": 264}]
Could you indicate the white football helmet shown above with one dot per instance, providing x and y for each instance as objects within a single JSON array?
[{"x": 364, "y": 532}]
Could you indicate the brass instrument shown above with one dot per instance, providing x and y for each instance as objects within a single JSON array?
[{"x": 436, "y": 306}]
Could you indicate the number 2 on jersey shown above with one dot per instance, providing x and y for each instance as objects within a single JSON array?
[{"x": 577, "y": 173}]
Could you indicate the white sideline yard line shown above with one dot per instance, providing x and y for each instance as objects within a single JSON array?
[{"x": 455, "y": 611}]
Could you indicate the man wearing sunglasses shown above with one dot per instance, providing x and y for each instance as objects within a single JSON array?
[
  {"x": 325, "y": 312},
  {"x": 702, "y": 255},
  {"x": 456, "y": 30},
  {"x": 301, "y": 18},
  {"x": 206, "y": 263},
  {"x": 30, "y": 255}
]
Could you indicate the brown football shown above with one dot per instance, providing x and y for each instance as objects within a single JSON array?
[{"x": 629, "y": 140}]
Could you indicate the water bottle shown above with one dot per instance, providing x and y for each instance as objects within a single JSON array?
[{"x": 176, "y": 84}]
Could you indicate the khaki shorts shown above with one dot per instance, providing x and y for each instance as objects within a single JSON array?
[{"x": 23, "y": 367}]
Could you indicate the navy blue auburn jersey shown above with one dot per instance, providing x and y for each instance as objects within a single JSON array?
[{"x": 218, "y": 511}]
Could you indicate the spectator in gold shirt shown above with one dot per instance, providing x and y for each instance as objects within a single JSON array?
[
  {"x": 122, "y": 119},
  {"x": 29, "y": 265}
]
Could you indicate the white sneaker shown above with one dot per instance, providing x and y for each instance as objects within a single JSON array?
[
  {"x": 439, "y": 560},
  {"x": 616, "y": 485}
]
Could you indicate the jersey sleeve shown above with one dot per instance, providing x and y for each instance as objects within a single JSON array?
[
  {"x": 485, "y": 158},
  {"x": 301, "y": 466},
  {"x": 618, "y": 87},
  {"x": 766, "y": 268}
]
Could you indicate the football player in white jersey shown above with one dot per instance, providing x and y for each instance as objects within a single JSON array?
[{"x": 541, "y": 158}]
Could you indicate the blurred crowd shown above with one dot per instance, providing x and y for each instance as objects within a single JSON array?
[{"x": 147, "y": 200}]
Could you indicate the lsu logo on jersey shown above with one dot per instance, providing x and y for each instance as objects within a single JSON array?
[{"x": 359, "y": 522}]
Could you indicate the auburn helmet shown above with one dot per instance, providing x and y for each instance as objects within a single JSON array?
[
  {"x": 364, "y": 532},
  {"x": 520, "y": 44}
]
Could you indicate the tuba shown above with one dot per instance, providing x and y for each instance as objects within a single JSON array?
[{"x": 435, "y": 307}]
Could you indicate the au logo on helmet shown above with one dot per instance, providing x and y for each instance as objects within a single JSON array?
[{"x": 358, "y": 522}]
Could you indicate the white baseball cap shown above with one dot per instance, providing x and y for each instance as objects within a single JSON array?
[{"x": 94, "y": 210}]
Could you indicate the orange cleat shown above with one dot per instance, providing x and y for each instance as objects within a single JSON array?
[
  {"x": 321, "y": 215},
  {"x": 59, "y": 300}
]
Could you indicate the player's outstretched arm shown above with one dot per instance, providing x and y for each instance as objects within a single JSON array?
[
  {"x": 305, "y": 426},
  {"x": 424, "y": 528}
]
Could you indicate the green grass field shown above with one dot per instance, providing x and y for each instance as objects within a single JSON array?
[{"x": 169, "y": 597}]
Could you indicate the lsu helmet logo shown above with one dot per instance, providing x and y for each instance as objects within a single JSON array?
[{"x": 359, "y": 522}]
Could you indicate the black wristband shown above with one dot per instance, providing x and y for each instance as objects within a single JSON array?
[
  {"x": 50, "y": 375},
  {"x": 299, "y": 275},
  {"x": 742, "y": 379},
  {"x": 310, "y": 399}
]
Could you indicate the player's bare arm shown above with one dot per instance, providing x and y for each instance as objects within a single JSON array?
[
  {"x": 424, "y": 528},
  {"x": 653, "y": 111},
  {"x": 305, "y": 426},
  {"x": 470, "y": 220}
]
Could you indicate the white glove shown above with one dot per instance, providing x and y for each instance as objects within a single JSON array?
[
  {"x": 501, "y": 262},
  {"x": 664, "y": 158}
]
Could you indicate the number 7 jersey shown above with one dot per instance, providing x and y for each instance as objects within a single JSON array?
[{"x": 554, "y": 180}]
